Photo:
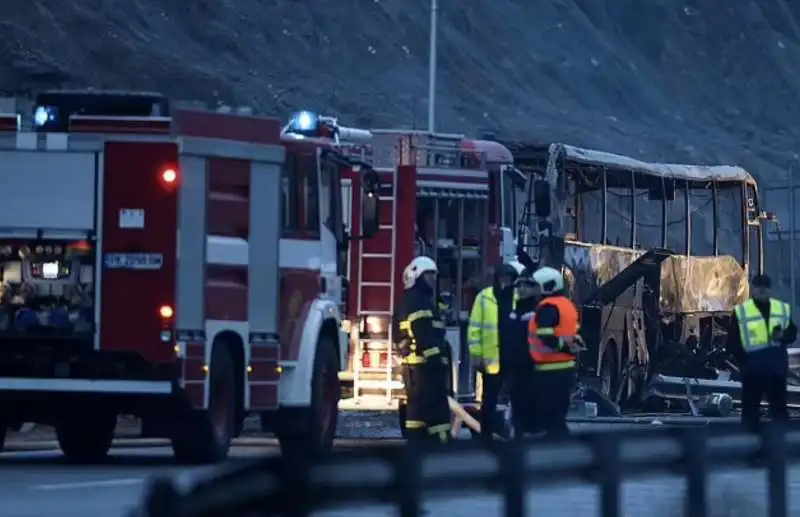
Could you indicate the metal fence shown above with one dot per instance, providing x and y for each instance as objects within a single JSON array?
[{"x": 402, "y": 476}]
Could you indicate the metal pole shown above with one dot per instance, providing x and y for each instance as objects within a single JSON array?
[
  {"x": 432, "y": 68},
  {"x": 792, "y": 235}
]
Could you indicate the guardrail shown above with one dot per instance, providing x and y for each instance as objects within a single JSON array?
[{"x": 401, "y": 476}]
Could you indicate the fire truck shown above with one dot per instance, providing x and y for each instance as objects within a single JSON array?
[
  {"x": 182, "y": 266},
  {"x": 445, "y": 196}
]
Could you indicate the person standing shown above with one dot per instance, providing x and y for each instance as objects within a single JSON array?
[
  {"x": 418, "y": 332},
  {"x": 554, "y": 342},
  {"x": 488, "y": 329},
  {"x": 758, "y": 336},
  {"x": 518, "y": 364}
]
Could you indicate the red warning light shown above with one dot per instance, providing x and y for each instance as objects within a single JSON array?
[{"x": 169, "y": 176}]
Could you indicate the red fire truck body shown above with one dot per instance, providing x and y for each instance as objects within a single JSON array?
[{"x": 202, "y": 290}]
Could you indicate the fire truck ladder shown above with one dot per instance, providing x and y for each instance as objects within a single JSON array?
[{"x": 364, "y": 377}]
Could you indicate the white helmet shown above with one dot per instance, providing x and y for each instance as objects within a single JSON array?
[
  {"x": 416, "y": 268},
  {"x": 517, "y": 265},
  {"x": 549, "y": 280}
]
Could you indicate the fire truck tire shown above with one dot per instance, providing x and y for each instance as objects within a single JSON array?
[
  {"x": 3, "y": 434},
  {"x": 86, "y": 438},
  {"x": 318, "y": 427},
  {"x": 210, "y": 440}
]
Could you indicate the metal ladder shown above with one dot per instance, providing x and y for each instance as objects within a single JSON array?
[{"x": 387, "y": 384}]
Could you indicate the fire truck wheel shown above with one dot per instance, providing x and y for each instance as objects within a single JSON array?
[
  {"x": 318, "y": 428},
  {"x": 209, "y": 441},
  {"x": 86, "y": 438},
  {"x": 3, "y": 433}
]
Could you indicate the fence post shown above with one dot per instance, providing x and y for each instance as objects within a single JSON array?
[
  {"x": 608, "y": 461},
  {"x": 513, "y": 474},
  {"x": 408, "y": 474},
  {"x": 693, "y": 442},
  {"x": 773, "y": 443}
]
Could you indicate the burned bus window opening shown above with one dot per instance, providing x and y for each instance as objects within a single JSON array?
[
  {"x": 731, "y": 230},
  {"x": 649, "y": 211},
  {"x": 676, "y": 219},
  {"x": 619, "y": 216},
  {"x": 701, "y": 208}
]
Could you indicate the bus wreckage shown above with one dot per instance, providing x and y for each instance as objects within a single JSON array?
[{"x": 657, "y": 256}]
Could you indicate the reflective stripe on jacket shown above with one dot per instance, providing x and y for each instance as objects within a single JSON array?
[
  {"x": 483, "y": 330},
  {"x": 549, "y": 357},
  {"x": 754, "y": 332}
]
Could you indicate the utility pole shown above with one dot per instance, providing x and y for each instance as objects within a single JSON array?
[
  {"x": 792, "y": 234},
  {"x": 432, "y": 67}
]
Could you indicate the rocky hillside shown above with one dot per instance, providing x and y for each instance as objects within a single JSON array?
[
  {"x": 698, "y": 80},
  {"x": 680, "y": 80}
]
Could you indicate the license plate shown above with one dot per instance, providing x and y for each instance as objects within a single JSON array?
[{"x": 140, "y": 261}]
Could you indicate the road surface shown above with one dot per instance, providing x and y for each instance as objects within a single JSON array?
[{"x": 40, "y": 484}]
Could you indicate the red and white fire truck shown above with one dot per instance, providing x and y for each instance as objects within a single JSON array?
[
  {"x": 181, "y": 266},
  {"x": 455, "y": 199}
]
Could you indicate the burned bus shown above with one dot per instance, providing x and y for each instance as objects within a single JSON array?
[{"x": 656, "y": 255}]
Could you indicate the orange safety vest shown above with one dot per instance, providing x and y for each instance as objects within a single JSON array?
[{"x": 547, "y": 358}]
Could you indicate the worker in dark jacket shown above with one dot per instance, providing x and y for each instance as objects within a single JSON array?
[
  {"x": 419, "y": 336},
  {"x": 760, "y": 331},
  {"x": 518, "y": 364},
  {"x": 489, "y": 334}
]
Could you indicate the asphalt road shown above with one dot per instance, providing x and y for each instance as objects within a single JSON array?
[{"x": 40, "y": 483}]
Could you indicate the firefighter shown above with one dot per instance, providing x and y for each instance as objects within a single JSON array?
[
  {"x": 487, "y": 331},
  {"x": 518, "y": 364},
  {"x": 760, "y": 331},
  {"x": 419, "y": 335},
  {"x": 553, "y": 340}
]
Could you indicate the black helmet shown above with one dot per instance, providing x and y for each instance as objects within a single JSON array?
[{"x": 525, "y": 278}]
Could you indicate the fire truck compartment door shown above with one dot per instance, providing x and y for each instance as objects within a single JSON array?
[{"x": 47, "y": 190}]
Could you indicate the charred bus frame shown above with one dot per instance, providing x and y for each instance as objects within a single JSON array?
[{"x": 657, "y": 255}]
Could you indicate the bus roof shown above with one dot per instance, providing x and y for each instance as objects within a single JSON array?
[{"x": 671, "y": 170}]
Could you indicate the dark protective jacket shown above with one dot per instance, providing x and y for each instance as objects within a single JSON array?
[
  {"x": 771, "y": 360},
  {"x": 516, "y": 354},
  {"x": 505, "y": 324},
  {"x": 418, "y": 327}
]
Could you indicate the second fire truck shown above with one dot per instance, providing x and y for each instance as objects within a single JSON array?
[{"x": 445, "y": 196}]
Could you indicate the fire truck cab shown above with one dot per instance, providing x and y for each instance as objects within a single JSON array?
[
  {"x": 454, "y": 199},
  {"x": 181, "y": 266}
]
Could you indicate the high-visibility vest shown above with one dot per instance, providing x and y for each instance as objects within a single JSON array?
[
  {"x": 754, "y": 332},
  {"x": 545, "y": 357},
  {"x": 483, "y": 334}
]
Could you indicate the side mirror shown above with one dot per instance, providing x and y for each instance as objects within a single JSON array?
[
  {"x": 541, "y": 198},
  {"x": 370, "y": 204}
]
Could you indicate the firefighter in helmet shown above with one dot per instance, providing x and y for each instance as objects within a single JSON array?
[
  {"x": 488, "y": 328},
  {"x": 554, "y": 342},
  {"x": 419, "y": 336}
]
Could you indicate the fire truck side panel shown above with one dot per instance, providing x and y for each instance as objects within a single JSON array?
[
  {"x": 264, "y": 290},
  {"x": 190, "y": 296},
  {"x": 239, "y": 300},
  {"x": 48, "y": 190},
  {"x": 131, "y": 298}
]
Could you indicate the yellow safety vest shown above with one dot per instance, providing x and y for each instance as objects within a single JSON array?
[
  {"x": 483, "y": 333},
  {"x": 753, "y": 330}
]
